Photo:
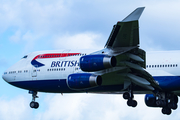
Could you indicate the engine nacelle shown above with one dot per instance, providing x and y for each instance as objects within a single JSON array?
[
  {"x": 83, "y": 80},
  {"x": 150, "y": 100},
  {"x": 90, "y": 63}
]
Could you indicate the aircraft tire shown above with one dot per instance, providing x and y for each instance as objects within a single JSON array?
[
  {"x": 175, "y": 99},
  {"x": 126, "y": 95},
  {"x": 134, "y": 103},
  {"x": 34, "y": 104},
  {"x": 166, "y": 110},
  {"x": 129, "y": 102}
]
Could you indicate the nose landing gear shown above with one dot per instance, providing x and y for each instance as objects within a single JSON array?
[{"x": 33, "y": 103}]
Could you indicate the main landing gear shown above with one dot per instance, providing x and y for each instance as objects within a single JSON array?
[
  {"x": 34, "y": 104},
  {"x": 129, "y": 96},
  {"x": 167, "y": 101}
]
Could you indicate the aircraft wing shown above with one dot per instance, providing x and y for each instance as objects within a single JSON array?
[
  {"x": 126, "y": 32},
  {"x": 123, "y": 43}
]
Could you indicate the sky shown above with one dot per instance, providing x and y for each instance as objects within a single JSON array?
[{"x": 36, "y": 25}]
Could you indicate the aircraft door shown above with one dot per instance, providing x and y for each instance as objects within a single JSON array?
[
  {"x": 34, "y": 72},
  {"x": 14, "y": 77}
]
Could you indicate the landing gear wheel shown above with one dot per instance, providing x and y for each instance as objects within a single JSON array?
[
  {"x": 126, "y": 95},
  {"x": 175, "y": 107},
  {"x": 166, "y": 110},
  {"x": 132, "y": 103},
  {"x": 175, "y": 99},
  {"x": 129, "y": 102},
  {"x": 34, "y": 104}
]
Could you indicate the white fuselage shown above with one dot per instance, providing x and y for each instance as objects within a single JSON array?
[{"x": 55, "y": 66}]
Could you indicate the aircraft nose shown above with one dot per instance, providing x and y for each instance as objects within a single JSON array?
[{"x": 5, "y": 77}]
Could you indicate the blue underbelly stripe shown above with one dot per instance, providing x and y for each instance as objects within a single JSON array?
[
  {"x": 55, "y": 86},
  {"x": 60, "y": 86},
  {"x": 167, "y": 83}
]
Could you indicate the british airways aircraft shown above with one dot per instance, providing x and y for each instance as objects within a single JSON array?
[{"x": 120, "y": 68}]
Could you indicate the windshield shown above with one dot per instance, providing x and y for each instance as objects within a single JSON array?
[{"x": 25, "y": 56}]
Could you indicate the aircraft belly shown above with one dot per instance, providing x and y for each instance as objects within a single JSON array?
[
  {"x": 60, "y": 86},
  {"x": 56, "y": 85}
]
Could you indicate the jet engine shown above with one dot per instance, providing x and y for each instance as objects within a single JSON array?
[
  {"x": 83, "y": 80},
  {"x": 90, "y": 63}
]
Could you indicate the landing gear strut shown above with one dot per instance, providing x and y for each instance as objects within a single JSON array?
[
  {"x": 33, "y": 103},
  {"x": 129, "y": 96}
]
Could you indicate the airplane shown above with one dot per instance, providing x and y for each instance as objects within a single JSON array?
[{"x": 121, "y": 67}]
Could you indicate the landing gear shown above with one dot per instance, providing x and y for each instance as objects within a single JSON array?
[
  {"x": 34, "y": 104},
  {"x": 129, "y": 97},
  {"x": 168, "y": 102}
]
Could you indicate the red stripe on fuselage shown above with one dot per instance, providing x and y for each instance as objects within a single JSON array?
[{"x": 54, "y": 55}]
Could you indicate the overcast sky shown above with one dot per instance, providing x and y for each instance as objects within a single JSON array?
[{"x": 31, "y": 25}]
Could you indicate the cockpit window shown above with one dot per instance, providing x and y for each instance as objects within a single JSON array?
[{"x": 25, "y": 56}]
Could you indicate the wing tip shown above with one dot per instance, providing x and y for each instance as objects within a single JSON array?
[{"x": 135, "y": 15}]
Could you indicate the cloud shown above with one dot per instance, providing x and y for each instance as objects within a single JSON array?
[
  {"x": 98, "y": 107},
  {"x": 55, "y": 19},
  {"x": 158, "y": 24},
  {"x": 79, "y": 107},
  {"x": 3, "y": 62},
  {"x": 16, "y": 37},
  {"x": 15, "y": 109},
  {"x": 86, "y": 40},
  {"x": 32, "y": 14}
]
